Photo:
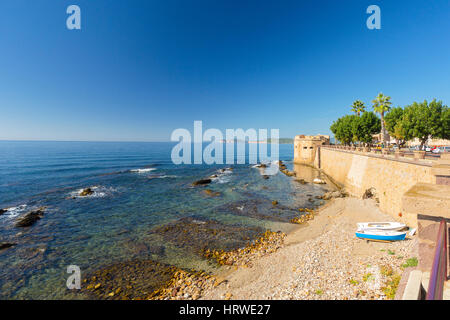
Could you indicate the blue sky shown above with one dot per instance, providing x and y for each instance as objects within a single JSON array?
[{"x": 137, "y": 70}]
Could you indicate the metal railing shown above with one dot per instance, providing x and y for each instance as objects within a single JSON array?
[
  {"x": 398, "y": 154},
  {"x": 439, "y": 269}
]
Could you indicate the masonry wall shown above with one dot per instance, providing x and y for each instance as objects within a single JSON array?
[
  {"x": 305, "y": 148},
  {"x": 390, "y": 178}
]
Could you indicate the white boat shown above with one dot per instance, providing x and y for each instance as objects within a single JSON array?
[
  {"x": 383, "y": 226},
  {"x": 380, "y": 235}
]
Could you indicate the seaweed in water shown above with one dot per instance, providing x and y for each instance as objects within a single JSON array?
[
  {"x": 197, "y": 234},
  {"x": 135, "y": 279}
]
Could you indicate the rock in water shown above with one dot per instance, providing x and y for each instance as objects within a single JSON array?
[
  {"x": 5, "y": 245},
  {"x": 201, "y": 182},
  {"x": 2, "y": 211},
  {"x": 86, "y": 192},
  {"x": 319, "y": 181},
  {"x": 30, "y": 218}
]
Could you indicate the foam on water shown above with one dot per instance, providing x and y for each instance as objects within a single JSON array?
[
  {"x": 14, "y": 211},
  {"x": 98, "y": 192},
  {"x": 144, "y": 170},
  {"x": 222, "y": 175}
]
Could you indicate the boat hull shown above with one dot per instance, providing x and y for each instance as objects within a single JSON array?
[{"x": 381, "y": 237}]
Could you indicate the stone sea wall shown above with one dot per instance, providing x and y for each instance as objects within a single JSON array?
[{"x": 383, "y": 178}]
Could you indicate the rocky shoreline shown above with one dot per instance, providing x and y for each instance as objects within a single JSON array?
[
  {"x": 220, "y": 244},
  {"x": 225, "y": 245}
]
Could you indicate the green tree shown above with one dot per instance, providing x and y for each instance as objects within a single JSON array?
[
  {"x": 392, "y": 122},
  {"x": 358, "y": 107},
  {"x": 381, "y": 105},
  {"x": 365, "y": 126},
  {"x": 342, "y": 129},
  {"x": 425, "y": 120}
]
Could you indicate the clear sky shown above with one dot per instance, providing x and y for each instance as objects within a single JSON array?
[{"x": 137, "y": 70}]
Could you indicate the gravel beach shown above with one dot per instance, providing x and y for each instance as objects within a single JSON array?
[{"x": 324, "y": 260}]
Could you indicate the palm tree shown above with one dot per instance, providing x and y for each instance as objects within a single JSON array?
[
  {"x": 382, "y": 104},
  {"x": 358, "y": 107}
]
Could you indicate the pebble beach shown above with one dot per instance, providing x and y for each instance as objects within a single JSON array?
[{"x": 324, "y": 260}]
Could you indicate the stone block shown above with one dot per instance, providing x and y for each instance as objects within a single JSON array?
[{"x": 414, "y": 286}]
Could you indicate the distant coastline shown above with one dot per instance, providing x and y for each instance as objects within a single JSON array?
[{"x": 280, "y": 141}]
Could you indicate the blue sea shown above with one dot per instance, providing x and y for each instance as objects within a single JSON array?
[{"x": 137, "y": 189}]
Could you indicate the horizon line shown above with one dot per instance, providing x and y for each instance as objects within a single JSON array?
[{"x": 145, "y": 141}]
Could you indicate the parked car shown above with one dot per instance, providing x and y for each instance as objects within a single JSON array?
[{"x": 436, "y": 150}]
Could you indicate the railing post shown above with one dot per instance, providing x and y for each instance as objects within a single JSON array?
[{"x": 439, "y": 269}]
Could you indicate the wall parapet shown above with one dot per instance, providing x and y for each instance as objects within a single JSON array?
[{"x": 400, "y": 157}]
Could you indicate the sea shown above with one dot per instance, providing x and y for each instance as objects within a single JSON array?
[{"x": 137, "y": 191}]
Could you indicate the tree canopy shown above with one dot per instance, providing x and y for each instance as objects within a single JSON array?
[
  {"x": 424, "y": 120},
  {"x": 392, "y": 122},
  {"x": 418, "y": 120},
  {"x": 358, "y": 107},
  {"x": 365, "y": 126},
  {"x": 351, "y": 128},
  {"x": 342, "y": 129}
]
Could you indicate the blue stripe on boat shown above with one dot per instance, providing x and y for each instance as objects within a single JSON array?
[{"x": 381, "y": 237}]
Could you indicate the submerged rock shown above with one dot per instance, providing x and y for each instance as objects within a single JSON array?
[
  {"x": 201, "y": 182},
  {"x": 6, "y": 245},
  {"x": 135, "y": 279},
  {"x": 30, "y": 218},
  {"x": 197, "y": 233},
  {"x": 211, "y": 193}
]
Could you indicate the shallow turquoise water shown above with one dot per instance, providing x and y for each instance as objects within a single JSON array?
[{"x": 128, "y": 204}]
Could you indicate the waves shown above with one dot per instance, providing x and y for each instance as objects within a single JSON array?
[
  {"x": 222, "y": 175},
  {"x": 162, "y": 176},
  {"x": 14, "y": 211},
  {"x": 144, "y": 170},
  {"x": 92, "y": 192},
  {"x": 268, "y": 168}
]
